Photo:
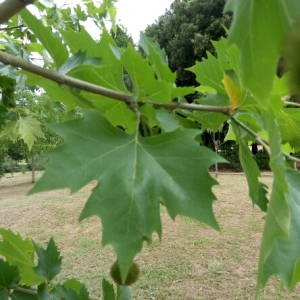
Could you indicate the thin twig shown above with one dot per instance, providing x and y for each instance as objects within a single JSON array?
[
  {"x": 210, "y": 108},
  {"x": 259, "y": 139},
  {"x": 292, "y": 103},
  {"x": 61, "y": 79},
  {"x": 12, "y": 27},
  {"x": 26, "y": 291}
]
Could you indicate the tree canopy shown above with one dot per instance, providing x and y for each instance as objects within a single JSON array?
[{"x": 185, "y": 32}]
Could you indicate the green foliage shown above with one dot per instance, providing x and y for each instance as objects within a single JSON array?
[
  {"x": 143, "y": 150},
  {"x": 143, "y": 194}
]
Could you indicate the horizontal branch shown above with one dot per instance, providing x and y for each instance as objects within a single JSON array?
[
  {"x": 210, "y": 108},
  {"x": 9, "y": 8},
  {"x": 96, "y": 89},
  {"x": 26, "y": 291},
  {"x": 260, "y": 140},
  {"x": 12, "y": 27},
  {"x": 62, "y": 79}
]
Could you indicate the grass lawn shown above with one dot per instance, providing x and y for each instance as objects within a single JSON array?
[{"x": 192, "y": 262}]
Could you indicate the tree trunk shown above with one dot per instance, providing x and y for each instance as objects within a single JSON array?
[{"x": 32, "y": 168}]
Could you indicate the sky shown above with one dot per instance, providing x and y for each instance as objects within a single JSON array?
[{"x": 135, "y": 15}]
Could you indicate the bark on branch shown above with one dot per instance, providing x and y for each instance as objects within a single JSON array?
[
  {"x": 96, "y": 89},
  {"x": 9, "y": 8}
]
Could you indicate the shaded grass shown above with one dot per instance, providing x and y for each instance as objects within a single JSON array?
[{"x": 192, "y": 261}]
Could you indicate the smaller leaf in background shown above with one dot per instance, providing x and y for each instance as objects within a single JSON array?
[
  {"x": 29, "y": 130},
  {"x": 11, "y": 130},
  {"x": 108, "y": 290},
  {"x": 210, "y": 73},
  {"x": 49, "y": 261},
  {"x": 257, "y": 190},
  {"x": 233, "y": 91},
  {"x": 9, "y": 278},
  {"x": 20, "y": 253}
]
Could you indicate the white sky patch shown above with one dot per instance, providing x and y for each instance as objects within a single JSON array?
[{"x": 135, "y": 15}]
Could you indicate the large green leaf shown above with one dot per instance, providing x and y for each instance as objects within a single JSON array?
[
  {"x": 49, "y": 261},
  {"x": 277, "y": 224},
  {"x": 20, "y": 253},
  {"x": 9, "y": 278},
  {"x": 134, "y": 176},
  {"x": 259, "y": 29},
  {"x": 52, "y": 43},
  {"x": 284, "y": 260},
  {"x": 257, "y": 190}
]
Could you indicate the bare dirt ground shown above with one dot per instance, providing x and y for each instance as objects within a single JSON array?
[{"x": 192, "y": 262}]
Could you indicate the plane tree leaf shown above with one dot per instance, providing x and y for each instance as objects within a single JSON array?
[
  {"x": 277, "y": 221},
  {"x": 284, "y": 260},
  {"x": 49, "y": 261},
  {"x": 9, "y": 278},
  {"x": 259, "y": 28},
  {"x": 135, "y": 175},
  {"x": 257, "y": 190},
  {"x": 30, "y": 130},
  {"x": 19, "y": 252}
]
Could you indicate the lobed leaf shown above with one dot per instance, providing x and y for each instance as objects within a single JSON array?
[
  {"x": 20, "y": 253},
  {"x": 135, "y": 175},
  {"x": 49, "y": 261}
]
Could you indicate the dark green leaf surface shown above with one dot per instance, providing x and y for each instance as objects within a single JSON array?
[
  {"x": 49, "y": 261},
  {"x": 135, "y": 175},
  {"x": 9, "y": 278},
  {"x": 20, "y": 253}
]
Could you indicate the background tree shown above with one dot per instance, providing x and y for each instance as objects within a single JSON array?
[{"x": 185, "y": 32}]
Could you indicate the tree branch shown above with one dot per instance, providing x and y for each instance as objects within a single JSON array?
[
  {"x": 12, "y": 27},
  {"x": 9, "y": 8},
  {"x": 292, "y": 103},
  {"x": 26, "y": 291},
  {"x": 96, "y": 89},
  {"x": 259, "y": 139},
  {"x": 62, "y": 79},
  {"x": 220, "y": 109}
]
